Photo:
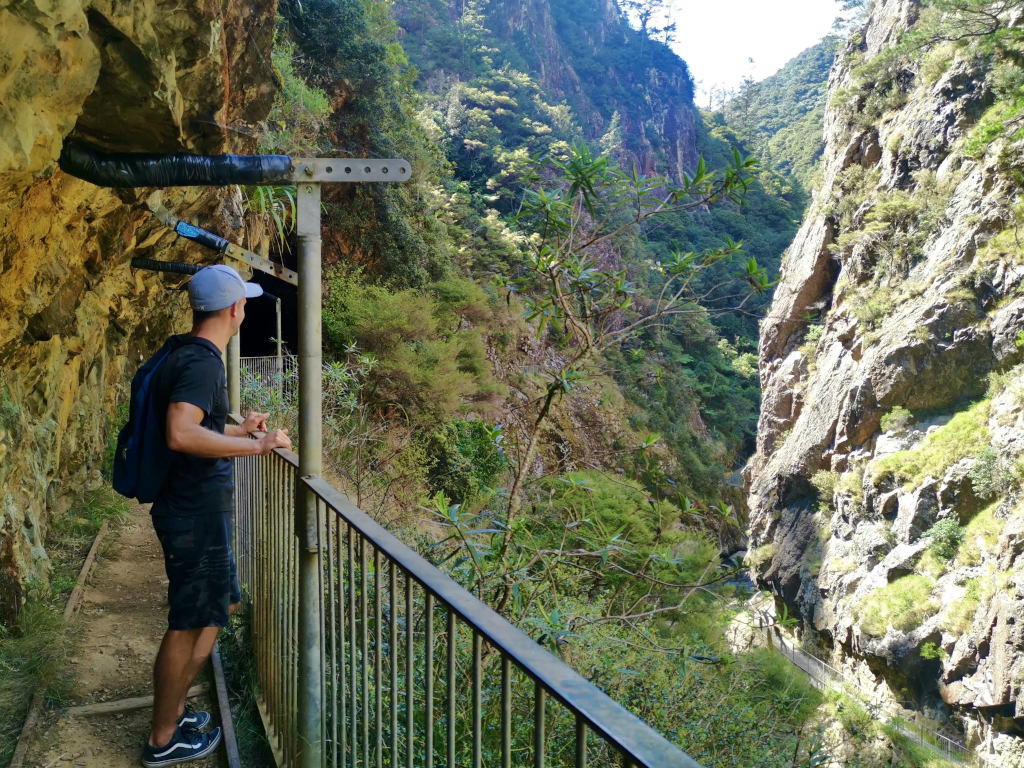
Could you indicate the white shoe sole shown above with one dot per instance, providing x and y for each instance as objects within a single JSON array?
[{"x": 186, "y": 758}]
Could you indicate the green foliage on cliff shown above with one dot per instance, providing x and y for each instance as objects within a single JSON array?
[
  {"x": 966, "y": 434},
  {"x": 348, "y": 49},
  {"x": 425, "y": 365},
  {"x": 903, "y": 605}
]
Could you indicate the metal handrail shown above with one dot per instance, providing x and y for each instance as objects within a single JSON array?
[
  {"x": 403, "y": 645},
  {"x": 823, "y": 673}
]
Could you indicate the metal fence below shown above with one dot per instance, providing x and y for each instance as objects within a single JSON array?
[
  {"x": 824, "y": 674},
  {"x": 415, "y": 670},
  {"x": 275, "y": 378}
]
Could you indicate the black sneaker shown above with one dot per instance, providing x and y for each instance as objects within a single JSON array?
[
  {"x": 193, "y": 719},
  {"x": 181, "y": 748}
]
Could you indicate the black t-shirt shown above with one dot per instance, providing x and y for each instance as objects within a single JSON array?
[{"x": 194, "y": 373}]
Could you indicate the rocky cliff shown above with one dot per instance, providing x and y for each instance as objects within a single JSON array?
[
  {"x": 886, "y": 507},
  {"x": 76, "y": 319},
  {"x": 651, "y": 90},
  {"x": 582, "y": 53}
]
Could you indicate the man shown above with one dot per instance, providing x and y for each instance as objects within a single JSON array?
[{"x": 192, "y": 514}]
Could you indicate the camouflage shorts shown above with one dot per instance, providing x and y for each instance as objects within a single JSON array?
[{"x": 200, "y": 568}]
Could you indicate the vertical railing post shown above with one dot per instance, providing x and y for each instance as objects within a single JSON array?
[
  {"x": 310, "y": 458},
  {"x": 234, "y": 373},
  {"x": 278, "y": 342}
]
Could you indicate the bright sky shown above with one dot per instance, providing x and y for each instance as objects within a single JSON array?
[{"x": 718, "y": 38}]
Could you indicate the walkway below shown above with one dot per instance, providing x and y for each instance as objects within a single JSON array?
[{"x": 116, "y": 635}]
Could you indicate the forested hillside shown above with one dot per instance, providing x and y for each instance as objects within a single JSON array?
[
  {"x": 781, "y": 116},
  {"x": 530, "y": 359}
]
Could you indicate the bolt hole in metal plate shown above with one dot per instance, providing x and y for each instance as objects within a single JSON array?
[{"x": 326, "y": 170}]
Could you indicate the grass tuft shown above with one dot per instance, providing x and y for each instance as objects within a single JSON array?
[
  {"x": 903, "y": 605},
  {"x": 966, "y": 434}
]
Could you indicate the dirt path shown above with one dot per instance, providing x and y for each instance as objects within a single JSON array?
[{"x": 116, "y": 635}]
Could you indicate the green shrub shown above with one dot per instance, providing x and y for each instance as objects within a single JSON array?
[
  {"x": 946, "y": 535},
  {"x": 598, "y": 513},
  {"x": 932, "y": 651},
  {"x": 993, "y": 475},
  {"x": 423, "y": 363},
  {"x": 872, "y": 306},
  {"x": 958, "y": 618},
  {"x": 897, "y": 420},
  {"x": 825, "y": 483},
  {"x": 299, "y": 112},
  {"x": 464, "y": 459},
  {"x": 904, "y": 605}
]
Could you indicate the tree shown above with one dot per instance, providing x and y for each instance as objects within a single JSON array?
[
  {"x": 575, "y": 286},
  {"x": 641, "y": 13},
  {"x": 852, "y": 15}
]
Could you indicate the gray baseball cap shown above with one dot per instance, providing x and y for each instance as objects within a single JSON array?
[{"x": 219, "y": 286}]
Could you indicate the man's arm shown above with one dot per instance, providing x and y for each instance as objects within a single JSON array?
[{"x": 186, "y": 434}]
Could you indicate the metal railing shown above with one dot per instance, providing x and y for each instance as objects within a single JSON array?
[
  {"x": 415, "y": 670},
  {"x": 914, "y": 728}
]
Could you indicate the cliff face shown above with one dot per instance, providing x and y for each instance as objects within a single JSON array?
[
  {"x": 885, "y": 495},
  {"x": 652, "y": 92},
  {"x": 76, "y": 320},
  {"x": 582, "y": 52}
]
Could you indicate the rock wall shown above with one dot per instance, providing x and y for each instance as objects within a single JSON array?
[
  {"x": 658, "y": 116},
  {"x": 886, "y": 507},
  {"x": 147, "y": 76}
]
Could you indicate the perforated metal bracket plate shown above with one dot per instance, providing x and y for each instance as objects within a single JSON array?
[
  {"x": 263, "y": 265},
  {"x": 349, "y": 169}
]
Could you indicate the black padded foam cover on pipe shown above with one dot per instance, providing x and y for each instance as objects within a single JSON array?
[{"x": 124, "y": 170}]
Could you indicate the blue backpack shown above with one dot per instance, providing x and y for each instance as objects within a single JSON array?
[{"x": 142, "y": 458}]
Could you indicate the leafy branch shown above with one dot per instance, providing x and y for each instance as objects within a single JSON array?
[{"x": 574, "y": 282}]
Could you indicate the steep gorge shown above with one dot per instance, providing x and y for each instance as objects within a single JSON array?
[
  {"x": 136, "y": 77},
  {"x": 886, "y": 508}
]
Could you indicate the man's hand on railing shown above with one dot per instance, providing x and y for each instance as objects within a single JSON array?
[
  {"x": 275, "y": 438},
  {"x": 255, "y": 422}
]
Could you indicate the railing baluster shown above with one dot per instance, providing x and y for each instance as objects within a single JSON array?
[
  {"x": 410, "y": 688},
  {"x": 451, "y": 687},
  {"x": 291, "y": 554},
  {"x": 428, "y": 668},
  {"x": 393, "y": 666},
  {"x": 539, "y": 698},
  {"x": 332, "y": 610},
  {"x": 363, "y": 652},
  {"x": 477, "y": 736},
  {"x": 339, "y": 671},
  {"x": 378, "y": 703},
  {"x": 353, "y": 715},
  {"x": 282, "y": 613},
  {"x": 581, "y": 743},
  {"x": 506, "y": 712}
]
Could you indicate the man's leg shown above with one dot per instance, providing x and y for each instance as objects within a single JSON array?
[
  {"x": 201, "y": 651},
  {"x": 171, "y": 681}
]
